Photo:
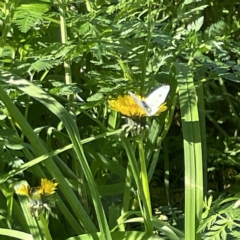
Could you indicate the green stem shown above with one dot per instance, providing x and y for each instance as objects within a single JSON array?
[
  {"x": 145, "y": 56},
  {"x": 144, "y": 176},
  {"x": 146, "y": 211},
  {"x": 63, "y": 26}
]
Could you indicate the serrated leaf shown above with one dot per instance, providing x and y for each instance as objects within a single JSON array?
[
  {"x": 95, "y": 97},
  {"x": 221, "y": 221},
  {"x": 35, "y": 7},
  {"x": 195, "y": 26},
  {"x": 223, "y": 235},
  {"x": 16, "y": 162},
  {"x": 235, "y": 234},
  {"x": 216, "y": 29},
  {"x": 40, "y": 65},
  {"x": 27, "y": 19},
  {"x": 69, "y": 89}
]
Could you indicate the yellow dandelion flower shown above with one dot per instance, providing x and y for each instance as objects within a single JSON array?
[
  {"x": 47, "y": 187},
  {"x": 24, "y": 189},
  {"x": 128, "y": 107},
  {"x": 39, "y": 197}
]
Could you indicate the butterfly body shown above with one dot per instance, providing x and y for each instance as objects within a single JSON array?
[{"x": 153, "y": 101}]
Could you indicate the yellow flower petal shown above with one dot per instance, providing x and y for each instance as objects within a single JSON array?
[
  {"x": 47, "y": 187},
  {"x": 23, "y": 190},
  {"x": 128, "y": 107}
]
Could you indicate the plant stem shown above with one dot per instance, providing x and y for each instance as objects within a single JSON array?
[{"x": 144, "y": 176}]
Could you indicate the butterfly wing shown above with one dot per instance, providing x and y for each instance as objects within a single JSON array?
[
  {"x": 139, "y": 102},
  {"x": 156, "y": 98}
]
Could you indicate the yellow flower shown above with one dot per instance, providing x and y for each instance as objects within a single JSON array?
[
  {"x": 24, "y": 189},
  {"x": 47, "y": 187},
  {"x": 128, "y": 107},
  {"x": 39, "y": 197}
]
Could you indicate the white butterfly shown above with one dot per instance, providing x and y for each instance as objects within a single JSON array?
[{"x": 153, "y": 101}]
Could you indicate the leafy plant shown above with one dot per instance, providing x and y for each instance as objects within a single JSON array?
[
  {"x": 220, "y": 219},
  {"x": 61, "y": 61}
]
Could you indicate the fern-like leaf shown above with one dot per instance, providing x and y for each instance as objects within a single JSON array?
[
  {"x": 196, "y": 25},
  {"x": 27, "y": 20},
  {"x": 29, "y": 15},
  {"x": 41, "y": 64},
  {"x": 216, "y": 29}
]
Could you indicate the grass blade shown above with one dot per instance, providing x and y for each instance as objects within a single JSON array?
[{"x": 192, "y": 151}]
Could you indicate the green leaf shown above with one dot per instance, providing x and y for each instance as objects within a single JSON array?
[
  {"x": 15, "y": 234},
  {"x": 25, "y": 20},
  {"x": 41, "y": 64},
  {"x": 192, "y": 150}
]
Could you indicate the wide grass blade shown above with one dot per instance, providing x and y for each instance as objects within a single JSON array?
[
  {"x": 192, "y": 151},
  {"x": 15, "y": 234}
]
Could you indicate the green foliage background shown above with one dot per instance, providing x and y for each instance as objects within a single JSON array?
[{"x": 55, "y": 53}]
